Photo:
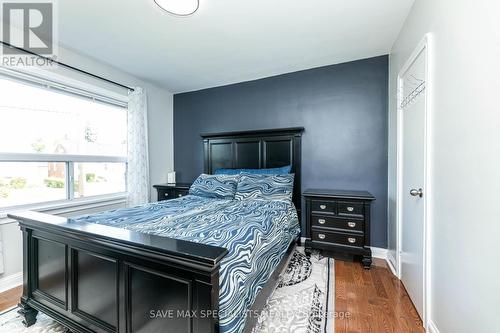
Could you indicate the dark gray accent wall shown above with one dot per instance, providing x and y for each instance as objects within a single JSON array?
[{"x": 342, "y": 107}]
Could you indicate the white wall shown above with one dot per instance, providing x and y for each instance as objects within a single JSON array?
[
  {"x": 465, "y": 150},
  {"x": 160, "y": 123}
]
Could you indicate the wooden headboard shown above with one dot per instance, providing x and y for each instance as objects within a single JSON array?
[{"x": 258, "y": 149}]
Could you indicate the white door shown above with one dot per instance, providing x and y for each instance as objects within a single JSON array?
[{"x": 412, "y": 123}]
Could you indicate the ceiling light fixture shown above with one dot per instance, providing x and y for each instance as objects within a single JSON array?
[{"x": 178, "y": 7}]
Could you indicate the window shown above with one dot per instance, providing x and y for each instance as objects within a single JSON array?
[
  {"x": 29, "y": 182},
  {"x": 58, "y": 145},
  {"x": 98, "y": 178}
]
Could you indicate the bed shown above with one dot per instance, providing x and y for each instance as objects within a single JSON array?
[{"x": 191, "y": 264}]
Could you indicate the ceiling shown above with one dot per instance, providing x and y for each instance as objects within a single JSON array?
[{"x": 228, "y": 41}]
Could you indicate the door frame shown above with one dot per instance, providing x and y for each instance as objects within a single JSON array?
[{"x": 423, "y": 46}]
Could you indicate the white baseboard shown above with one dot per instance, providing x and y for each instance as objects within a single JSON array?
[
  {"x": 431, "y": 327},
  {"x": 11, "y": 281},
  {"x": 391, "y": 262},
  {"x": 381, "y": 253},
  {"x": 378, "y": 252}
]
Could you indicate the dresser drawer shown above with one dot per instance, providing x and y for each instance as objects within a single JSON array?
[
  {"x": 347, "y": 208},
  {"x": 337, "y": 223},
  {"x": 338, "y": 238},
  {"x": 166, "y": 194},
  {"x": 323, "y": 206},
  {"x": 180, "y": 193},
  {"x": 172, "y": 191}
]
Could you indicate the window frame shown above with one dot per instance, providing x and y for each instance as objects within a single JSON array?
[{"x": 78, "y": 89}]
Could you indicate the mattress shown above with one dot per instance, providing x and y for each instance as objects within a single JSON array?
[{"x": 256, "y": 234}]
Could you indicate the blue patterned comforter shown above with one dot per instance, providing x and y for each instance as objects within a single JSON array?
[{"x": 255, "y": 232}]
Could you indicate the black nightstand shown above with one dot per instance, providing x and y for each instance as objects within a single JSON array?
[
  {"x": 339, "y": 221},
  {"x": 172, "y": 191}
]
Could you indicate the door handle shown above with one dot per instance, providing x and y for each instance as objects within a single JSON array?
[{"x": 417, "y": 193}]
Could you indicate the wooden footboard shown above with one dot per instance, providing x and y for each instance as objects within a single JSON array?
[{"x": 96, "y": 278}]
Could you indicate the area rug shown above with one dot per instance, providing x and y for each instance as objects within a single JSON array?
[
  {"x": 304, "y": 298},
  {"x": 301, "y": 302}
]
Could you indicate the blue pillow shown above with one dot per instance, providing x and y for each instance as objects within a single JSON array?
[
  {"x": 271, "y": 171},
  {"x": 215, "y": 186},
  {"x": 265, "y": 187}
]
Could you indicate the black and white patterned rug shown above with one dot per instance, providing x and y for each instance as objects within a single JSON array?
[
  {"x": 304, "y": 298},
  {"x": 302, "y": 302}
]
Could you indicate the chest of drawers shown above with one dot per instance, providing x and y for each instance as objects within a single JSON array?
[
  {"x": 339, "y": 221},
  {"x": 172, "y": 191}
]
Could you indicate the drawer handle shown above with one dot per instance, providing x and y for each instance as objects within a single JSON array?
[
  {"x": 321, "y": 236},
  {"x": 166, "y": 194},
  {"x": 321, "y": 221},
  {"x": 322, "y": 206},
  {"x": 351, "y": 224},
  {"x": 351, "y": 240},
  {"x": 350, "y": 209}
]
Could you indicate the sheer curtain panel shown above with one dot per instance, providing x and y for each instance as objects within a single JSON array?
[{"x": 137, "y": 151}]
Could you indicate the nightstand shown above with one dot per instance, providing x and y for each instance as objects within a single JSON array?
[
  {"x": 172, "y": 191},
  {"x": 339, "y": 221}
]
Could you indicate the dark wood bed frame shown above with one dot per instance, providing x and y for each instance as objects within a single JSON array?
[{"x": 96, "y": 278}]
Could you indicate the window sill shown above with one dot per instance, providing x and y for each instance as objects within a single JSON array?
[{"x": 66, "y": 207}]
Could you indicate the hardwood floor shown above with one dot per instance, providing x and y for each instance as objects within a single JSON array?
[
  {"x": 372, "y": 300},
  {"x": 10, "y": 298},
  {"x": 366, "y": 300}
]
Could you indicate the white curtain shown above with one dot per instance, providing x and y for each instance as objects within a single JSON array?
[
  {"x": 138, "y": 161},
  {"x": 1, "y": 254}
]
